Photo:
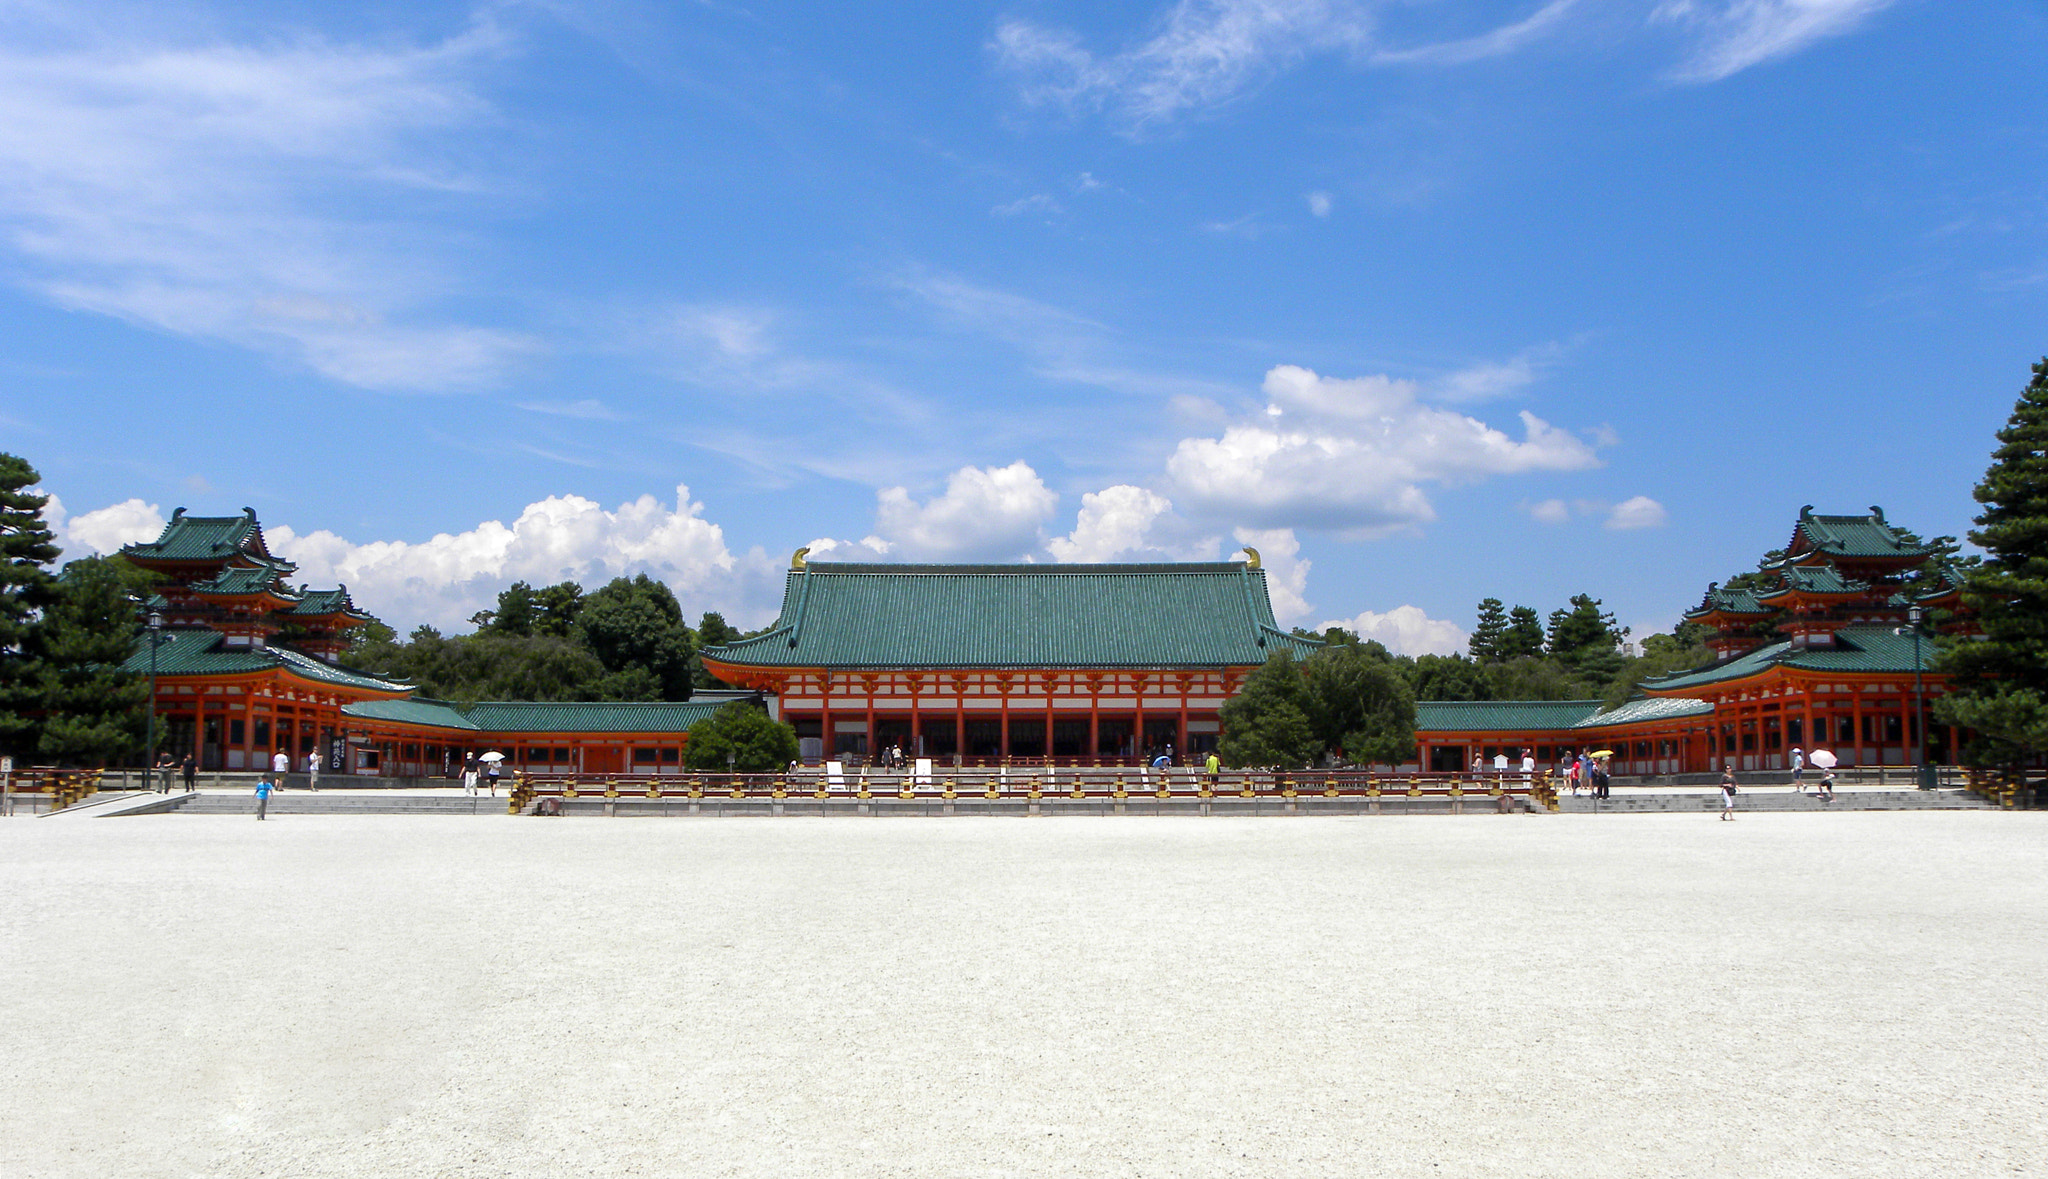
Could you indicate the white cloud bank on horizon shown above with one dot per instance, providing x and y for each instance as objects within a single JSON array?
[
  {"x": 194, "y": 188},
  {"x": 1406, "y": 630},
  {"x": 446, "y": 579}
]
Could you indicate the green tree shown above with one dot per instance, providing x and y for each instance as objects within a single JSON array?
[
  {"x": 1997, "y": 683},
  {"x": 1524, "y": 636},
  {"x": 1490, "y": 632},
  {"x": 757, "y": 743},
  {"x": 1585, "y": 640},
  {"x": 556, "y": 608},
  {"x": 515, "y": 612},
  {"x": 1682, "y": 650},
  {"x": 637, "y": 623},
  {"x": 1448, "y": 677},
  {"x": 93, "y": 708},
  {"x": 712, "y": 631},
  {"x": 1535, "y": 679},
  {"x": 26, "y": 550},
  {"x": 1360, "y": 704},
  {"x": 1266, "y": 723}
]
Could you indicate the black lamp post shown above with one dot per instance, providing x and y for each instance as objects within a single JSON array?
[
  {"x": 1923, "y": 779},
  {"x": 156, "y": 633}
]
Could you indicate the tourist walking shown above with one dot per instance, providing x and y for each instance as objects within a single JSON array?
[
  {"x": 1827, "y": 785},
  {"x": 280, "y": 765},
  {"x": 191, "y": 767},
  {"x": 1214, "y": 767},
  {"x": 469, "y": 776},
  {"x": 313, "y": 771},
  {"x": 262, "y": 797},
  {"x": 491, "y": 776},
  {"x": 1727, "y": 794},
  {"x": 164, "y": 766},
  {"x": 1798, "y": 770}
]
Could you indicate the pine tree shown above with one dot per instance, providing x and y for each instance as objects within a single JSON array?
[
  {"x": 1524, "y": 637},
  {"x": 92, "y": 706},
  {"x": 26, "y": 587},
  {"x": 1485, "y": 643},
  {"x": 1998, "y": 685},
  {"x": 1585, "y": 640}
]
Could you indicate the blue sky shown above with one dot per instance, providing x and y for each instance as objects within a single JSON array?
[{"x": 1428, "y": 300}]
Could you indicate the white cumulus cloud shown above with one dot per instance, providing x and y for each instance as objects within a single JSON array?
[
  {"x": 1550, "y": 511},
  {"x": 1130, "y": 523},
  {"x": 451, "y": 576},
  {"x": 1405, "y": 630},
  {"x": 131, "y": 521},
  {"x": 1638, "y": 512},
  {"x": 985, "y": 513},
  {"x": 1286, "y": 570},
  {"x": 1351, "y": 455}
]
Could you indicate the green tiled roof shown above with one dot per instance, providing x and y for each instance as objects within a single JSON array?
[
  {"x": 239, "y": 580},
  {"x": 205, "y": 652},
  {"x": 1814, "y": 579},
  {"x": 1648, "y": 708},
  {"x": 1167, "y": 615},
  {"x": 318, "y": 603},
  {"x": 412, "y": 711},
  {"x": 1851, "y": 536},
  {"x": 205, "y": 538},
  {"x": 549, "y": 716},
  {"x": 1856, "y": 649},
  {"x": 1730, "y": 601},
  {"x": 1477, "y": 716}
]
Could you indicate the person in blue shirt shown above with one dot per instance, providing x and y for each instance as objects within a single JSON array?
[{"x": 263, "y": 789}]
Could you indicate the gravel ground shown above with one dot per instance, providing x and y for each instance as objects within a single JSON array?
[{"x": 1649, "y": 995}]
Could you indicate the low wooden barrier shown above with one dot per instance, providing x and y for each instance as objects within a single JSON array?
[
  {"x": 2003, "y": 787},
  {"x": 1397, "y": 791},
  {"x": 47, "y": 788}
]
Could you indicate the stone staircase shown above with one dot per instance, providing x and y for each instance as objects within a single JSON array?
[
  {"x": 1772, "y": 798},
  {"x": 310, "y": 803}
]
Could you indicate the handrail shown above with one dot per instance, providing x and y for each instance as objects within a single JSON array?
[{"x": 1034, "y": 785}]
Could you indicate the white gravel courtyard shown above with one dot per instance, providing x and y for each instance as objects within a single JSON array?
[{"x": 1646, "y": 995}]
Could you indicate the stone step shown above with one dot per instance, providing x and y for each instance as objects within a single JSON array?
[{"x": 1775, "y": 799}]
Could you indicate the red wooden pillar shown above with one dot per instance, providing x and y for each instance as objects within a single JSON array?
[
  {"x": 960, "y": 719},
  {"x": 868, "y": 681},
  {"x": 1856, "y": 722},
  {"x": 1003, "y": 685},
  {"x": 916, "y": 686},
  {"x": 1048, "y": 681},
  {"x": 1095, "y": 719},
  {"x": 1905, "y": 725},
  {"x": 1138, "y": 716},
  {"x": 825, "y": 716}
]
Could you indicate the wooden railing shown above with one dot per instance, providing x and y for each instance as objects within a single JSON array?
[
  {"x": 1029, "y": 785},
  {"x": 49, "y": 789},
  {"x": 2003, "y": 787}
]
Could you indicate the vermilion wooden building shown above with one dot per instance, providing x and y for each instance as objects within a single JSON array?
[
  {"x": 1813, "y": 658},
  {"x": 1070, "y": 662},
  {"x": 246, "y": 669}
]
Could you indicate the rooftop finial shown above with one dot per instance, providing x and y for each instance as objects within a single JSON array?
[
  {"x": 797, "y": 559},
  {"x": 1877, "y": 513},
  {"x": 1251, "y": 557}
]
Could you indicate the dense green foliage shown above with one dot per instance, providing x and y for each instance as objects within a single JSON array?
[
  {"x": 743, "y": 731},
  {"x": 26, "y": 550},
  {"x": 1266, "y": 723},
  {"x": 1998, "y": 684},
  {"x": 625, "y": 641},
  {"x": 92, "y": 709}
]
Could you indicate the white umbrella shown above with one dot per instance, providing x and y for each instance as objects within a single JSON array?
[
  {"x": 493, "y": 755},
  {"x": 1822, "y": 758}
]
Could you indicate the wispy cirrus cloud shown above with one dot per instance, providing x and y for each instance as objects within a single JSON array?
[
  {"x": 221, "y": 191},
  {"x": 1207, "y": 54},
  {"x": 1737, "y": 34}
]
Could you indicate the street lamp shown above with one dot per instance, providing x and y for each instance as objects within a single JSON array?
[
  {"x": 1914, "y": 615},
  {"x": 156, "y": 633}
]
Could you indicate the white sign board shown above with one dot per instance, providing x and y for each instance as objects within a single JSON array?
[{"x": 6, "y": 766}]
